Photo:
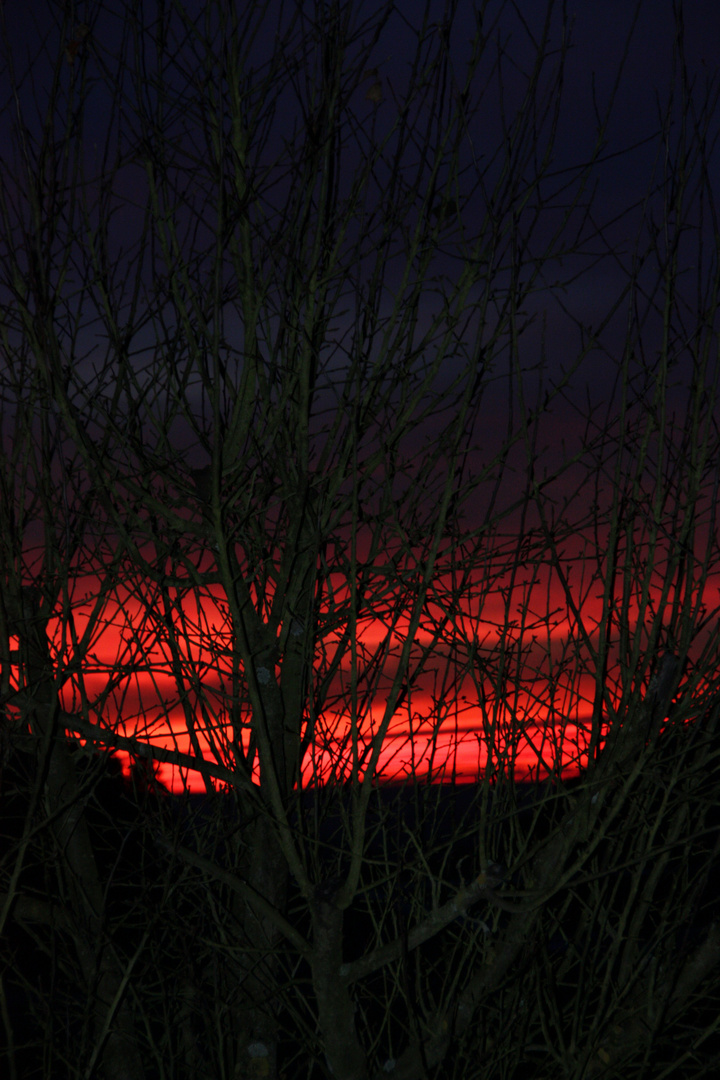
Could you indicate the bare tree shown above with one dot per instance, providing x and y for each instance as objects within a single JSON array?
[{"x": 285, "y": 509}]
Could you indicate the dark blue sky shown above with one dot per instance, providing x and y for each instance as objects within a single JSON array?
[
  {"x": 610, "y": 225},
  {"x": 632, "y": 158}
]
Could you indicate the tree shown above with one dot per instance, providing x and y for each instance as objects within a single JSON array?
[{"x": 264, "y": 296}]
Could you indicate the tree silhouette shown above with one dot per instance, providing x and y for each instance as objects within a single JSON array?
[{"x": 311, "y": 508}]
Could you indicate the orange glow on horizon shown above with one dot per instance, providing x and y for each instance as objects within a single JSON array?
[
  {"x": 416, "y": 743},
  {"x": 452, "y": 724}
]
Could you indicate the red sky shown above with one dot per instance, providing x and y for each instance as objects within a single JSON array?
[
  {"x": 564, "y": 685},
  {"x": 443, "y": 710}
]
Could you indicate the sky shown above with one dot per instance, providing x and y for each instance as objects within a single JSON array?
[{"x": 630, "y": 169}]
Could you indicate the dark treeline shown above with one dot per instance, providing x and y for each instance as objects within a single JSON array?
[
  {"x": 359, "y": 397},
  {"x": 424, "y": 845}
]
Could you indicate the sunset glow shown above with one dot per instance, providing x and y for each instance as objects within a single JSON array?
[{"x": 440, "y": 728}]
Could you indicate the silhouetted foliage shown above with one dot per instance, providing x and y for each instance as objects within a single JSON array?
[{"x": 389, "y": 561}]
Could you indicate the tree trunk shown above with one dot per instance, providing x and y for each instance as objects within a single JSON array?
[{"x": 114, "y": 1030}]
